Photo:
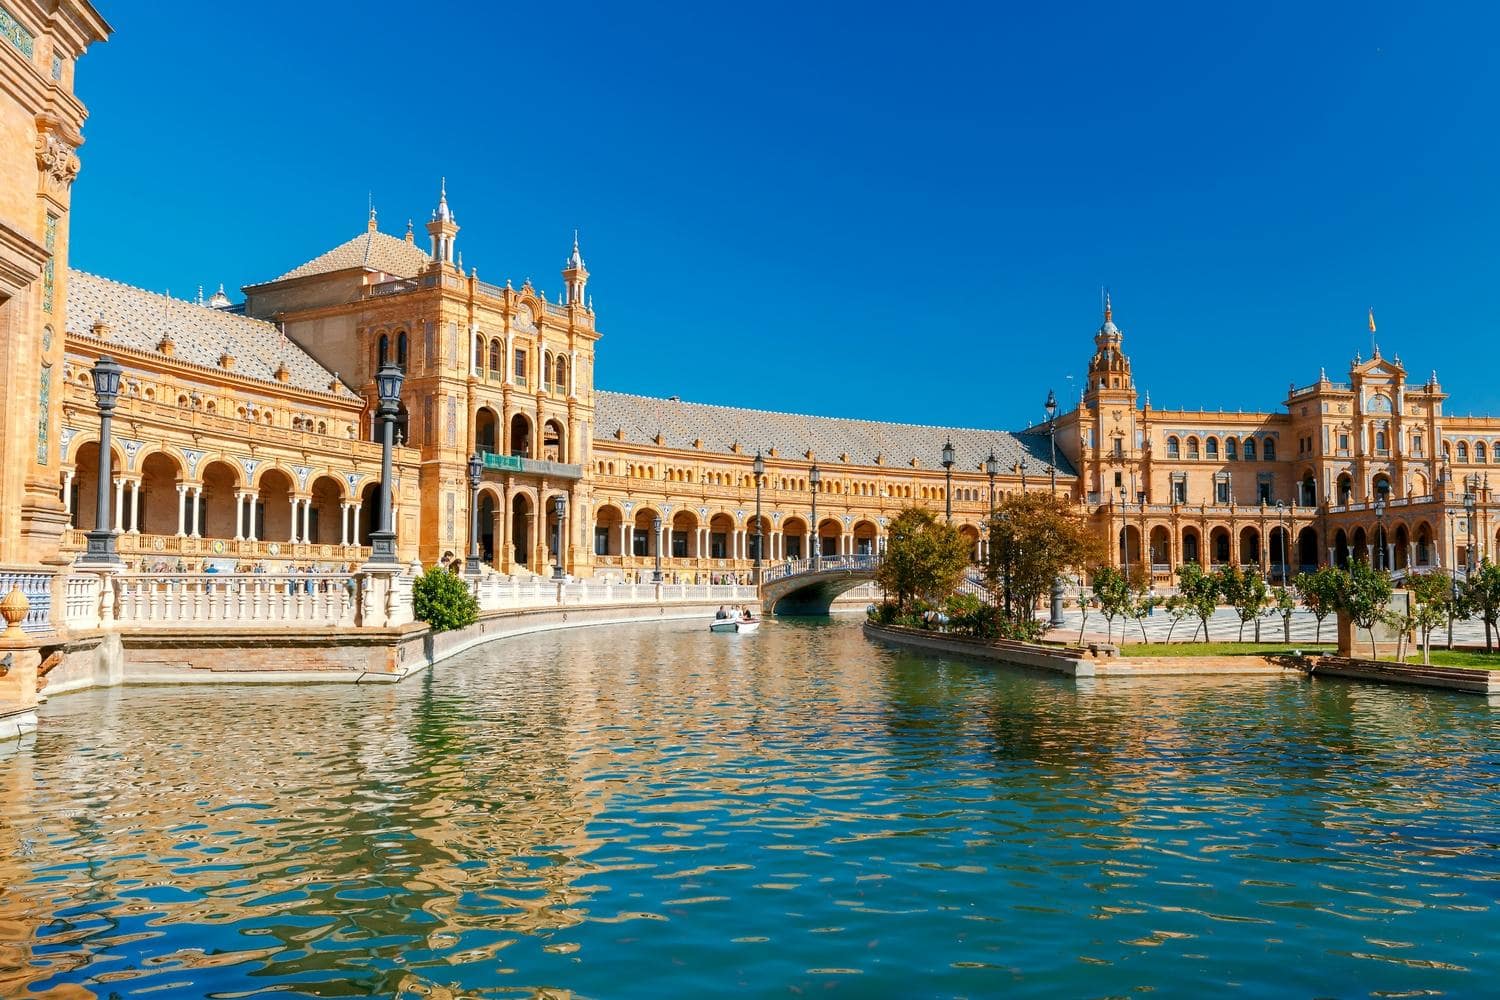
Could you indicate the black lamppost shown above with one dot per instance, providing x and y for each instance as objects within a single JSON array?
[
  {"x": 100, "y": 550},
  {"x": 1471, "y": 504},
  {"x": 1146, "y": 555},
  {"x": 1379, "y": 561},
  {"x": 1051, "y": 407},
  {"x": 476, "y": 467},
  {"x": 1281, "y": 523},
  {"x": 656, "y": 547},
  {"x": 1057, "y": 585},
  {"x": 814, "y": 480},
  {"x": 992, "y": 469},
  {"x": 560, "y": 508},
  {"x": 948, "y": 477},
  {"x": 759, "y": 468},
  {"x": 1006, "y": 541},
  {"x": 388, "y": 385},
  {"x": 1125, "y": 533},
  {"x": 1023, "y": 476}
]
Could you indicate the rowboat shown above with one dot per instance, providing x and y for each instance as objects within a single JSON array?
[{"x": 734, "y": 625}]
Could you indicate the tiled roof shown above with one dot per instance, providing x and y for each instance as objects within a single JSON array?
[
  {"x": 372, "y": 249},
  {"x": 791, "y": 435},
  {"x": 138, "y": 319}
]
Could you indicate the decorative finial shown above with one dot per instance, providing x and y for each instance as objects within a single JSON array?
[
  {"x": 372, "y": 217},
  {"x": 1322, "y": 374},
  {"x": 409, "y": 237},
  {"x": 1108, "y": 312}
]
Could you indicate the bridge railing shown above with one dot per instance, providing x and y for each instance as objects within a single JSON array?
[{"x": 818, "y": 564}]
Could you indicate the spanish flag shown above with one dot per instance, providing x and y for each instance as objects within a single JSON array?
[{"x": 1372, "y": 319}]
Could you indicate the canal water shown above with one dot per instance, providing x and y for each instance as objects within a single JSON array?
[{"x": 653, "y": 811}]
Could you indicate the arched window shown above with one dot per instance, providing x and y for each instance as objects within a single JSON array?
[
  {"x": 1479, "y": 454},
  {"x": 401, "y": 350},
  {"x": 1380, "y": 442},
  {"x": 1463, "y": 451},
  {"x": 383, "y": 351},
  {"x": 1192, "y": 447},
  {"x": 1249, "y": 449},
  {"x": 1173, "y": 450},
  {"x": 1230, "y": 449},
  {"x": 547, "y": 370},
  {"x": 1268, "y": 451},
  {"x": 1211, "y": 448},
  {"x": 495, "y": 370},
  {"x": 560, "y": 376},
  {"x": 1495, "y": 453}
]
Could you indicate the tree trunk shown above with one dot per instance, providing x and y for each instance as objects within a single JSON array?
[
  {"x": 1318, "y": 635},
  {"x": 1286, "y": 629},
  {"x": 1373, "y": 655},
  {"x": 1487, "y": 648},
  {"x": 1205, "y": 630},
  {"x": 1142, "y": 623},
  {"x": 1426, "y": 647}
]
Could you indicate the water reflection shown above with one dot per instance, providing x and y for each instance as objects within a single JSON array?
[{"x": 651, "y": 810}]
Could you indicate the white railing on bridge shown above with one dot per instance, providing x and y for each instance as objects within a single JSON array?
[
  {"x": 235, "y": 599},
  {"x": 818, "y": 564}
]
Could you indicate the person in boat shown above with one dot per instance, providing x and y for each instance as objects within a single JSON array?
[
  {"x": 745, "y": 615},
  {"x": 721, "y": 614}
]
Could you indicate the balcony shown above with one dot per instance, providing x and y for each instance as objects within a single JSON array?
[{"x": 530, "y": 466}]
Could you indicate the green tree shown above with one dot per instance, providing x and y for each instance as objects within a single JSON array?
[
  {"x": 1112, "y": 592},
  {"x": 1481, "y": 593},
  {"x": 1363, "y": 597},
  {"x": 443, "y": 600},
  {"x": 1432, "y": 602},
  {"x": 1320, "y": 591},
  {"x": 1284, "y": 603},
  {"x": 1177, "y": 607},
  {"x": 925, "y": 558},
  {"x": 1142, "y": 603},
  {"x": 1201, "y": 592},
  {"x": 1245, "y": 592},
  {"x": 1034, "y": 537}
]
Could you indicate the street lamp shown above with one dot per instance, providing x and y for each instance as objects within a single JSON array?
[
  {"x": 992, "y": 469},
  {"x": 1125, "y": 533},
  {"x": 1023, "y": 475},
  {"x": 1379, "y": 561},
  {"x": 476, "y": 467},
  {"x": 100, "y": 550},
  {"x": 560, "y": 508},
  {"x": 1140, "y": 499},
  {"x": 814, "y": 479},
  {"x": 1006, "y": 543},
  {"x": 656, "y": 547},
  {"x": 1471, "y": 503},
  {"x": 759, "y": 468},
  {"x": 948, "y": 477},
  {"x": 388, "y": 386},
  {"x": 1051, "y": 407},
  {"x": 1057, "y": 586},
  {"x": 1281, "y": 522}
]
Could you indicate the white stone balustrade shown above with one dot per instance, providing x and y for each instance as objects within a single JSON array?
[{"x": 191, "y": 600}]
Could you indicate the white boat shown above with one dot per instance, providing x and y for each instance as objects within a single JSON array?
[{"x": 734, "y": 625}]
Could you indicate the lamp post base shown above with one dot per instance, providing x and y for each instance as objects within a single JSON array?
[
  {"x": 557, "y": 572},
  {"x": 1057, "y": 603},
  {"x": 383, "y": 547},
  {"x": 99, "y": 549},
  {"x": 473, "y": 566}
]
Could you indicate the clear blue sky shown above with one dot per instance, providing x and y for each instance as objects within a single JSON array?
[{"x": 897, "y": 212}]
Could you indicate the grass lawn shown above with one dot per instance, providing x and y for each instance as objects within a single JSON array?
[
  {"x": 1459, "y": 658},
  {"x": 1222, "y": 649}
]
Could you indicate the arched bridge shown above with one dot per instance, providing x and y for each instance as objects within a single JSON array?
[{"x": 808, "y": 586}]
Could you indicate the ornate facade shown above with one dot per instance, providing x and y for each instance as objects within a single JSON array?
[{"x": 246, "y": 433}]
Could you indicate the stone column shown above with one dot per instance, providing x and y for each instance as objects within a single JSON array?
[
  {"x": 625, "y": 540},
  {"x": 181, "y": 509},
  {"x": 239, "y": 516},
  {"x": 296, "y": 502},
  {"x": 531, "y": 534},
  {"x": 354, "y": 521},
  {"x": 254, "y": 510},
  {"x": 68, "y": 494},
  {"x": 135, "y": 506},
  {"x": 197, "y": 509},
  {"x": 119, "y": 506},
  {"x": 497, "y": 532}
]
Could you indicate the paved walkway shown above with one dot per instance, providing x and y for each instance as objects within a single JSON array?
[{"x": 1224, "y": 626}]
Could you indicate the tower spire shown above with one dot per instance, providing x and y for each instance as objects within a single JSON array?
[
  {"x": 575, "y": 276},
  {"x": 443, "y": 229}
]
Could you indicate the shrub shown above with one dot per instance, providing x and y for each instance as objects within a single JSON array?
[{"x": 443, "y": 600}]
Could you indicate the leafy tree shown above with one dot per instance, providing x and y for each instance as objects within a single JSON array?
[
  {"x": 1284, "y": 603},
  {"x": 1142, "y": 603},
  {"x": 925, "y": 558},
  {"x": 1034, "y": 537},
  {"x": 1245, "y": 592},
  {"x": 443, "y": 600},
  {"x": 1320, "y": 591},
  {"x": 1432, "y": 602},
  {"x": 1201, "y": 592},
  {"x": 1364, "y": 597},
  {"x": 1177, "y": 607},
  {"x": 1112, "y": 591},
  {"x": 1482, "y": 595},
  {"x": 1083, "y": 611}
]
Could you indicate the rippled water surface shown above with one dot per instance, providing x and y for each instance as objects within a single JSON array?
[{"x": 653, "y": 811}]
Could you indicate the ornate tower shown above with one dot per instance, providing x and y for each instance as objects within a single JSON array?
[
  {"x": 1111, "y": 447},
  {"x": 575, "y": 275},
  {"x": 443, "y": 229}
]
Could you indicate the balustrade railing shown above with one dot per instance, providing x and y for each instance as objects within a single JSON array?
[
  {"x": 242, "y": 599},
  {"x": 818, "y": 564},
  {"x": 37, "y": 587}
]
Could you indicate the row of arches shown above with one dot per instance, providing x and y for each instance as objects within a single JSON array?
[
  {"x": 490, "y": 360},
  {"x": 1234, "y": 449},
  {"x": 1477, "y": 453},
  {"x": 518, "y": 439},
  {"x": 687, "y": 534},
  {"x": 222, "y": 502}
]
